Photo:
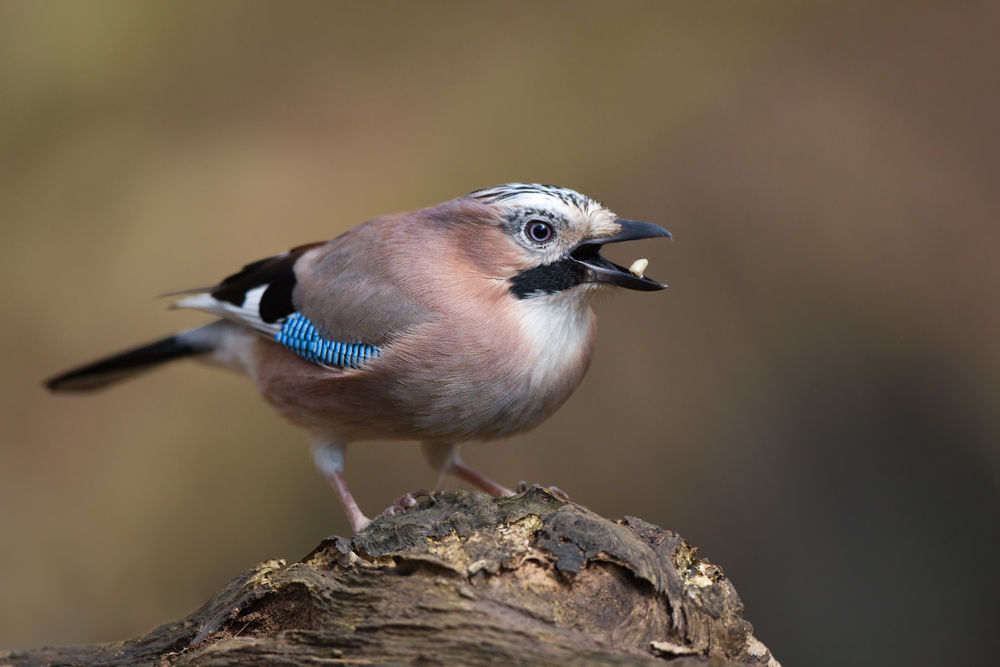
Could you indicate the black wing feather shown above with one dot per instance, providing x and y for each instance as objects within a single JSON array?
[{"x": 278, "y": 273}]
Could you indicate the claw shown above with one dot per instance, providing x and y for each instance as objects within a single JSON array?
[
  {"x": 405, "y": 502},
  {"x": 522, "y": 486},
  {"x": 559, "y": 493}
]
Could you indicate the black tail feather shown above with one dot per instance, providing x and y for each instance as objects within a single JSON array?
[{"x": 121, "y": 366}]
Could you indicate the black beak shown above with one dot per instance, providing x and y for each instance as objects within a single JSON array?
[{"x": 603, "y": 271}]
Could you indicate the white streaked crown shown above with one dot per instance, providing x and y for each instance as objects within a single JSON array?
[{"x": 593, "y": 219}]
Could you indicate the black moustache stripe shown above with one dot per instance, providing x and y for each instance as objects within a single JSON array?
[{"x": 548, "y": 279}]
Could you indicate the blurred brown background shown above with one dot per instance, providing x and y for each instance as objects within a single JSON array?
[{"x": 815, "y": 401}]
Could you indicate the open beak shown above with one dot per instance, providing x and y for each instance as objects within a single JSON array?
[{"x": 603, "y": 271}]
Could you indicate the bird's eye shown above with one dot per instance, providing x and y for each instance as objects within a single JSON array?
[{"x": 539, "y": 232}]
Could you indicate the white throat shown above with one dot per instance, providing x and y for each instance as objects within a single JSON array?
[{"x": 557, "y": 328}]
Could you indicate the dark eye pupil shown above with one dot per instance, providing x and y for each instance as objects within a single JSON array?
[{"x": 539, "y": 232}]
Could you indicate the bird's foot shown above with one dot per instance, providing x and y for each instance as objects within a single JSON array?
[
  {"x": 405, "y": 502},
  {"x": 522, "y": 486}
]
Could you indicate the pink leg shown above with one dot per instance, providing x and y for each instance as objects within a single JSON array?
[
  {"x": 328, "y": 455},
  {"x": 443, "y": 456},
  {"x": 477, "y": 480},
  {"x": 358, "y": 520}
]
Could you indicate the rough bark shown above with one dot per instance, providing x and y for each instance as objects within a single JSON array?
[{"x": 462, "y": 580}]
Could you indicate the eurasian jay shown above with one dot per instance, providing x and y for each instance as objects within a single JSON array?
[{"x": 469, "y": 320}]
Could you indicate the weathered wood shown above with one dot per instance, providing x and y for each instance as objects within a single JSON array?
[{"x": 462, "y": 580}]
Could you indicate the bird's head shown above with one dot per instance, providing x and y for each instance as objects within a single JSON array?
[{"x": 556, "y": 235}]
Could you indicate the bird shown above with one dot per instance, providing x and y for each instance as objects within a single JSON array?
[{"x": 466, "y": 321}]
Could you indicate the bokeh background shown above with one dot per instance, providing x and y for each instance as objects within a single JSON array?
[{"x": 815, "y": 400}]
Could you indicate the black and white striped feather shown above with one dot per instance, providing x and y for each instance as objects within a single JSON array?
[
  {"x": 259, "y": 295},
  {"x": 514, "y": 191}
]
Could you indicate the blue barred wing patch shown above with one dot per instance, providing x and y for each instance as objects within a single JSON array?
[{"x": 300, "y": 336}]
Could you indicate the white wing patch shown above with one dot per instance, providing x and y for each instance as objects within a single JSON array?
[{"x": 248, "y": 313}]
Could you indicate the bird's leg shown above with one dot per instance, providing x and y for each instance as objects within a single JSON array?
[
  {"x": 443, "y": 456},
  {"x": 476, "y": 479},
  {"x": 328, "y": 455}
]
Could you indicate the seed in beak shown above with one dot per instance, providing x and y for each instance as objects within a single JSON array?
[{"x": 638, "y": 267}]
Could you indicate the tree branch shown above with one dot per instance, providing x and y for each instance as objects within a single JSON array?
[{"x": 462, "y": 580}]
